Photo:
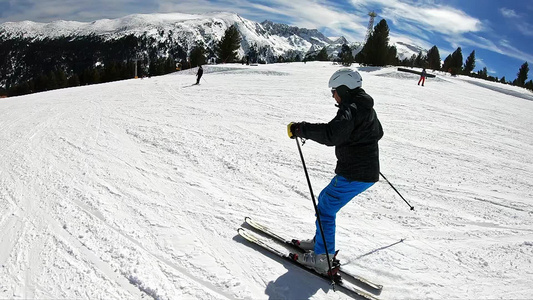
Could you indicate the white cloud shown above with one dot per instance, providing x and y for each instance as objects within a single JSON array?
[
  {"x": 525, "y": 29},
  {"x": 502, "y": 47},
  {"x": 328, "y": 18},
  {"x": 425, "y": 18},
  {"x": 443, "y": 20},
  {"x": 518, "y": 21},
  {"x": 426, "y": 15},
  {"x": 508, "y": 13}
]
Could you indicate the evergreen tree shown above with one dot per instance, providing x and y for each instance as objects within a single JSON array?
[
  {"x": 376, "y": 50},
  {"x": 393, "y": 56},
  {"x": 252, "y": 55},
  {"x": 41, "y": 83},
  {"x": 74, "y": 80},
  {"x": 433, "y": 58},
  {"x": 447, "y": 65},
  {"x": 93, "y": 76},
  {"x": 470, "y": 63},
  {"x": 62, "y": 81},
  {"x": 457, "y": 61},
  {"x": 529, "y": 85},
  {"x": 52, "y": 82},
  {"x": 110, "y": 72},
  {"x": 420, "y": 60},
  {"x": 411, "y": 61},
  {"x": 322, "y": 55},
  {"x": 198, "y": 56},
  {"x": 227, "y": 47},
  {"x": 503, "y": 80},
  {"x": 346, "y": 56},
  {"x": 522, "y": 74},
  {"x": 483, "y": 73}
]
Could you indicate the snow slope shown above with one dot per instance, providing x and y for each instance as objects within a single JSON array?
[{"x": 135, "y": 189}]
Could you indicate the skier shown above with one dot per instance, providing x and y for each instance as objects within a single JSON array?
[
  {"x": 422, "y": 77},
  {"x": 199, "y": 74},
  {"x": 355, "y": 132}
]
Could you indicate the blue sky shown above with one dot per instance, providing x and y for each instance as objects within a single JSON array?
[{"x": 501, "y": 32}]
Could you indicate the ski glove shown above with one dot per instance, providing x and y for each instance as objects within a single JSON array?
[{"x": 294, "y": 130}]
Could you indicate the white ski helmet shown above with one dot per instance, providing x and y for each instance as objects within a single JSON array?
[{"x": 346, "y": 76}]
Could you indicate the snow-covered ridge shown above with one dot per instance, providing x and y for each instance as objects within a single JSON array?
[
  {"x": 189, "y": 29},
  {"x": 136, "y": 23}
]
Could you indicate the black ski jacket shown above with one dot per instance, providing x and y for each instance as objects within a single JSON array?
[{"x": 355, "y": 132}]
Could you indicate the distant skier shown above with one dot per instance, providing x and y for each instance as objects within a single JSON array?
[
  {"x": 199, "y": 74},
  {"x": 355, "y": 132},
  {"x": 422, "y": 77}
]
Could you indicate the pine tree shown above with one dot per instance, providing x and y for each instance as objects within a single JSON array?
[
  {"x": 346, "y": 56},
  {"x": 52, "y": 81},
  {"x": 411, "y": 61},
  {"x": 94, "y": 76},
  {"x": 198, "y": 56},
  {"x": 41, "y": 83},
  {"x": 376, "y": 50},
  {"x": 420, "y": 60},
  {"x": 252, "y": 55},
  {"x": 322, "y": 55},
  {"x": 74, "y": 80},
  {"x": 62, "y": 81},
  {"x": 522, "y": 74},
  {"x": 483, "y": 73},
  {"x": 433, "y": 58},
  {"x": 227, "y": 47},
  {"x": 529, "y": 85},
  {"x": 470, "y": 63},
  {"x": 392, "y": 58},
  {"x": 457, "y": 61},
  {"x": 447, "y": 65}
]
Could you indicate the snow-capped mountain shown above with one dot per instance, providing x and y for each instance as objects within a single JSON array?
[
  {"x": 150, "y": 38},
  {"x": 272, "y": 39},
  {"x": 405, "y": 50},
  {"x": 187, "y": 29}
]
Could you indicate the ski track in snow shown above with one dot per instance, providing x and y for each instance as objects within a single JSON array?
[{"x": 135, "y": 189}]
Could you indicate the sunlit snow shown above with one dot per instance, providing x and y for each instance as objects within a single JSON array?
[{"x": 135, "y": 189}]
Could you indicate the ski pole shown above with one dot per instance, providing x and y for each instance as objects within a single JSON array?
[
  {"x": 316, "y": 212},
  {"x": 412, "y": 207}
]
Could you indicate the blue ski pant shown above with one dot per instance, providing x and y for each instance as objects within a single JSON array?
[{"x": 332, "y": 198}]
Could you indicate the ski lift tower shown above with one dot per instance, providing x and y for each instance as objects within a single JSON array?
[
  {"x": 372, "y": 15},
  {"x": 135, "y": 60}
]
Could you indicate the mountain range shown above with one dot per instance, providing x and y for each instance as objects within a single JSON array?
[
  {"x": 273, "y": 39},
  {"x": 29, "y": 50}
]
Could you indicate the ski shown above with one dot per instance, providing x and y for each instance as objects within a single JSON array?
[
  {"x": 337, "y": 279},
  {"x": 355, "y": 279}
]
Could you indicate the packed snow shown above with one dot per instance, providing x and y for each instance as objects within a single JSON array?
[{"x": 135, "y": 189}]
